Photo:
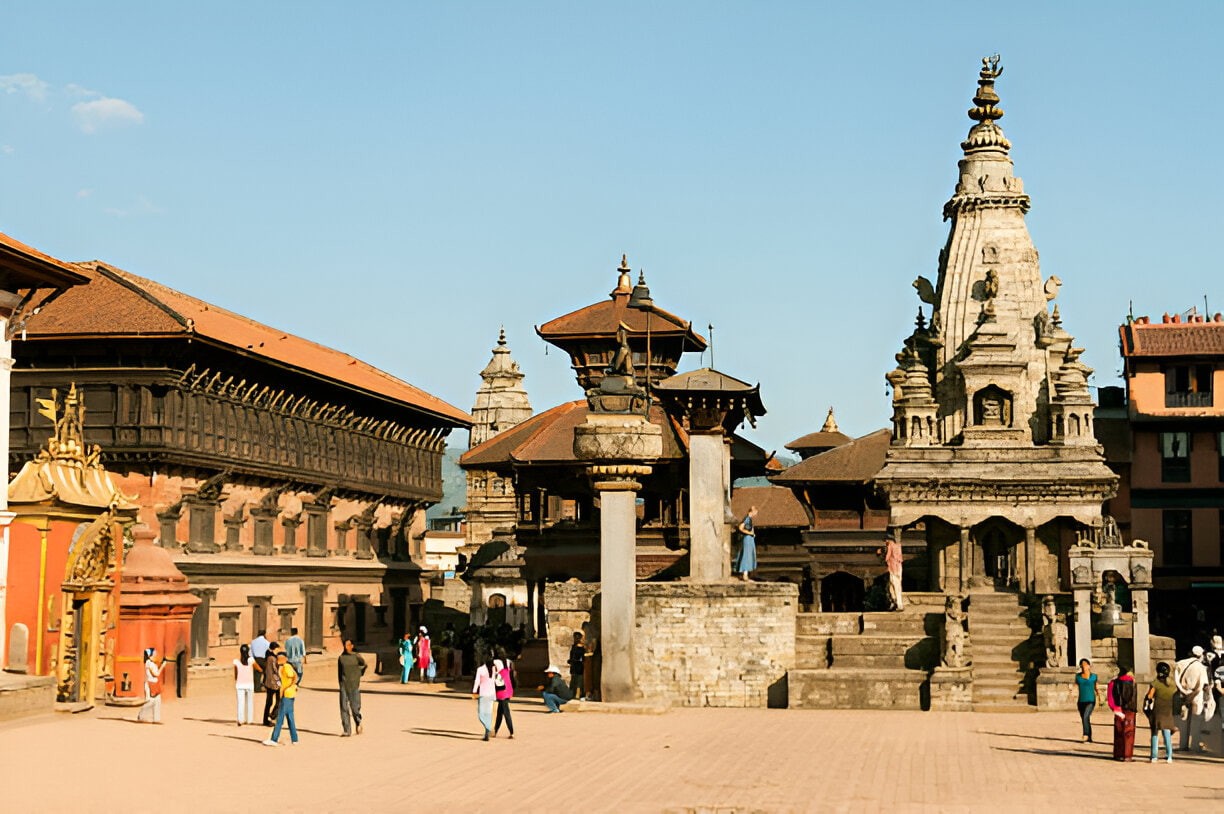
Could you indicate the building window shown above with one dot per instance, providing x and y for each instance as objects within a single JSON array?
[
  {"x": 229, "y": 628},
  {"x": 1177, "y": 542},
  {"x": 286, "y": 622},
  {"x": 1188, "y": 386},
  {"x": 1175, "y": 457}
]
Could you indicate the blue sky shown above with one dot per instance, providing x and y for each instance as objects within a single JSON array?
[{"x": 399, "y": 179}]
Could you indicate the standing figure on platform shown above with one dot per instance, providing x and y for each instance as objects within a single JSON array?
[
  {"x": 1123, "y": 700},
  {"x": 954, "y": 633},
  {"x": 746, "y": 557},
  {"x": 406, "y": 659},
  {"x": 424, "y": 656},
  {"x": 1086, "y": 687},
  {"x": 150, "y": 711},
  {"x": 893, "y": 559}
]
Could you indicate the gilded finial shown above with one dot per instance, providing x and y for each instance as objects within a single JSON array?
[
  {"x": 624, "y": 266},
  {"x": 830, "y": 424},
  {"x": 501, "y": 336},
  {"x": 986, "y": 135}
]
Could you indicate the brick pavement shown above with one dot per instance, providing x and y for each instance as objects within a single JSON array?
[{"x": 421, "y": 752}]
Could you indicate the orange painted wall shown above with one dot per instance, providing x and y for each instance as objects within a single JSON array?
[{"x": 23, "y": 598}]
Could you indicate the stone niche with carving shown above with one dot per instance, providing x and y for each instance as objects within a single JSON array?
[{"x": 992, "y": 407}]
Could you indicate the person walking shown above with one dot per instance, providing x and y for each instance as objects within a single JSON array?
[
  {"x": 150, "y": 711},
  {"x": 485, "y": 692},
  {"x": 1193, "y": 683},
  {"x": 1086, "y": 686},
  {"x": 894, "y": 562},
  {"x": 503, "y": 684},
  {"x": 424, "y": 656},
  {"x": 1122, "y": 698},
  {"x": 1158, "y": 704},
  {"x": 259, "y": 652},
  {"x": 554, "y": 691},
  {"x": 295, "y": 652},
  {"x": 244, "y": 685},
  {"x": 746, "y": 557},
  {"x": 350, "y": 667},
  {"x": 289, "y": 679},
  {"x": 272, "y": 684},
  {"x": 406, "y": 659},
  {"x": 577, "y": 656}
]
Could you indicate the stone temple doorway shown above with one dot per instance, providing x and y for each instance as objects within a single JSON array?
[
  {"x": 997, "y": 564},
  {"x": 841, "y": 593}
]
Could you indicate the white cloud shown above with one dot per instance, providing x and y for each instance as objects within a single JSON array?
[
  {"x": 142, "y": 206},
  {"x": 105, "y": 112},
  {"x": 84, "y": 193},
  {"x": 7, "y": 149},
  {"x": 25, "y": 83}
]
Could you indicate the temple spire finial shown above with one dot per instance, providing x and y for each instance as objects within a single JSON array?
[
  {"x": 830, "y": 424},
  {"x": 624, "y": 279},
  {"x": 986, "y": 135},
  {"x": 501, "y": 336}
]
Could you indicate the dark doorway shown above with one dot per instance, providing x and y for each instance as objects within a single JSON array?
[
  {"x": 314, "y": 618},
  {"x": 199, "y": 628},
  {"x": 359, "y": 622},
  {"x": 399, "y": 612},
  {"x": 180, "y": 674},
  {"x": 841, "y": 593},
  {"x": 997, "y": 559}
]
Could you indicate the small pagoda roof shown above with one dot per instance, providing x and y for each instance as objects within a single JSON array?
[
  {"x": 23, "y": 266},
  {"x": 828, "y": 437},
  {"x": 857, "y": 461},
  {"x": 777, "y": 507},
  {"x": 117, "y": 303}
]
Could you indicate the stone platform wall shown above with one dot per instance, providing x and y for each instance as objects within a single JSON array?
[{"x": 719, "y": 645}]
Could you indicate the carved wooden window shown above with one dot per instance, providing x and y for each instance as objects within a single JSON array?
[
  {"x": 1188, "y": 386},
  {"x": 286, "y": 622},
  {"x": 229, "y": 627},
  {"x": 1177, "y": 537}
]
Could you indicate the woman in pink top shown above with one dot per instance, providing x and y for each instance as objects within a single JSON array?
[
  {"x": 485, "y": 692},
  {"x": 425, "y": 655},
  {"x": 503, "y": 682}
]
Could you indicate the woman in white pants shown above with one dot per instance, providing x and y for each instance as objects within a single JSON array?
[
  {"x": 244, "y": 685},
  {"x": 151, "y": 710}
]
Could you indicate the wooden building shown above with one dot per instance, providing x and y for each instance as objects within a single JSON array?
[{"x": 288, "y": 479}]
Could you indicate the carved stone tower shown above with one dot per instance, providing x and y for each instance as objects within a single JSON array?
[
  {"x": 992, "y": 443},
  {"x": 501, "y": 403}
]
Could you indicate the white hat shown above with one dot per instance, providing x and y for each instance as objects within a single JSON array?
[
  {"x": 1217, "y": 642},
  {"x": 552, "y": 668},
  {"x": 1196, "y": 650}
]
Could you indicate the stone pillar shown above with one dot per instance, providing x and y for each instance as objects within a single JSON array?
[
  {"x": 263, "y": 518},
  {"x": 707, "y": 507},
  {"x": 167, "y": 524},
  {"x": 1030, "y": 551},
  {"x": 618, "y": 578},
  {"x": 1142, "y": 642},
  {"x": 964, "y": 563},
  {"x": 1083, "y": 624}
]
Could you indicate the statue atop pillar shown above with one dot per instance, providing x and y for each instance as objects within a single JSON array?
[{"x": 954, "y": 633}]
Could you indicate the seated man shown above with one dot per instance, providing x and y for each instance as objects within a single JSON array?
[{"x": 554, "y": 689}]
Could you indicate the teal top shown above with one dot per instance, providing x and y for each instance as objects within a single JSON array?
[{"x": 1087, "y": 687}]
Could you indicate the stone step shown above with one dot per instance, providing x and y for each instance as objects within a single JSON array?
[
  {"x": 994, "y": 707},
  {"x": 828, "y": 624},
  {"x": 873, "y": 644},
  {"x": 840, "y": 688},
  {"x": 894, "y": 624}
]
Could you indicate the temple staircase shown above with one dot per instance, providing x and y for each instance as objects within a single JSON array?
[
  {"x": 865, "y": 660},
  {"x": 1003, "y": 651}
]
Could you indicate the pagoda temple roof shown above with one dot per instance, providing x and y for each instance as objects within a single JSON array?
[
  {"x": 548, "y": 438},
  {"x": 777, "y": 507},
  {"x": 858, "y": 461},
  {"x": 604, "y": 318},
  {"x": 117, "y": 303},
  {"x": 828, "y": 437}
]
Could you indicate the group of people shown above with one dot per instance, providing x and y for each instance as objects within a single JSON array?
[
  {"x": 1197, "y": 682},
  {"x": 418, "y": 652}
]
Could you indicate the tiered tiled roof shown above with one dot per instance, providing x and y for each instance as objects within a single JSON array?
[
  {"x": 23, "y": 266},
  {"x": 1173, "y": 337},
  {"x": 856, "y": 462},
  {"x": 119, "y": 303},
  {"x": 777, "y": 507}
]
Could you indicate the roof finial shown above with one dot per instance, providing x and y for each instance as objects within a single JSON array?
[
  {"x": 501, "y": 336},
  {"x": 986, "y": 135},
  {"x": 830, "y": 424},
  {"x": 624, "y": 279},
  {"x": 624, "y": 266}
]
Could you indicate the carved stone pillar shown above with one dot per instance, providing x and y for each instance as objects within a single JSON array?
[
  {"x": 706, "y": 508},
  {"x": 233, "y": 529},
  {"x": 290, "y": 523},
  {"x": 1142, "y": 640},
  {"x": 167, "y": 523},
  {"x": 965, "y": 564},
  {"x": 1083, "y": 623},
  {"x": 1030, "y": 552}
]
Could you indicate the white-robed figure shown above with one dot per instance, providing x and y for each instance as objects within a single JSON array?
[
  {"x": 150, "y": 711},
  {"x": 1195, "y": 687}
]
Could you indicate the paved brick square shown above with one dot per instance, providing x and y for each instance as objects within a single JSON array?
[{"x": 421, "y": 751}]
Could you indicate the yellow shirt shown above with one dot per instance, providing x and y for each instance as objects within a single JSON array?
[{"x": 289, "y": 681}]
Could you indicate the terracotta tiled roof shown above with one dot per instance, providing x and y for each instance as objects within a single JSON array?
[
  {"x": 858, "y": 461},
  {"x": 604, "y": 318},
  {"x": 119, "y": 303},
  {"x": 777, "y": 507},
  {"x": 1172, "y": 338},
  {"x": 23, "y": 266}
]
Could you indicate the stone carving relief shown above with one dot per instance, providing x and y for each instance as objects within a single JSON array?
[
  {"x": 1054, "y": 633},
  {"x": 954, "y": 633}
]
